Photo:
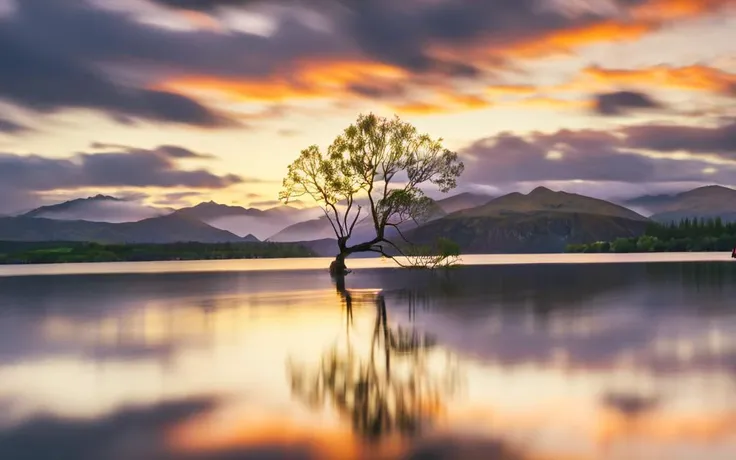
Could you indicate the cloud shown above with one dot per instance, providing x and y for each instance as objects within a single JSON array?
[
  {"x": 678, "y": 9},
  {"x": 172, "y": 151},
  {"x": 510, "y": 158},
  {"x": 623, "y": 102},
  {"x": 551, "y": 103},
  {"x": 24, "y": 176},
  {"x": 718, "y": 140},
  {"x": 206, "y": 5},
  {"x": 565, "y": 40},
  {"x": 118, "y": 37},
  {"x": 690, "y": 78},
  {"x": 307, "y": 80},
  {"x": 209, "y": 6},
  {"x": 266, "y": 203},
  {"x": 86, "y": 72},
  {"x": 11, "y": 127},
  {"x": 179, "y": 199},
  {"x": 38, "y": 77},
  {"x": 603, "y": 156},
  {"x": 377, "y": 89},
  {"x": 444, "y": 103},
  {"x": 371, "y": 49},
  {"x": 415, "y": 44}
]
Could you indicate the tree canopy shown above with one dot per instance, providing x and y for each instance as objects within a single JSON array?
[
  {"x": 374, "y": 173},
  {"x": 688, "y": 235}
]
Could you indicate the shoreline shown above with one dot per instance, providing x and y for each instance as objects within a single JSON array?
[{"x": 322, "y": 263}]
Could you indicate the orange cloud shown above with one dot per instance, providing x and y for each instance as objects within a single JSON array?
[
  {"x": 200, "y": 20},
  {"x": 275, "y": 90},
  {"x": 678, "y": 9},
  {"x": 466, "y": 101},
  {"x": 310, "y": 79},
  {"x": 546, "y": 102},
  {"x": 496, "y": 90},
  {"x": 564, "y": 41},
  {"x": 642, "y": 20},
  {"x": 447, "y": 102},
  {"x": 420, "y": 108},
  {"x": 693, "y": 78},
  {"x": 338, "y": 79}
]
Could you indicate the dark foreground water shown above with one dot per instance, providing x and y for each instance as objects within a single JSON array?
[{"x": 513, "y": 362}]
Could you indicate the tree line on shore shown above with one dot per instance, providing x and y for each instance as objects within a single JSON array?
[
  {"x": 69, "y": 252},
  {"x": 688, "y": 235}
]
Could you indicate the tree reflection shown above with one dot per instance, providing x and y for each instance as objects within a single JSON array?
[{"x": 384, "y": 387}]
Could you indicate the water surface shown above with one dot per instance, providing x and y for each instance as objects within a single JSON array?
[{"x": 547, "y": 361}]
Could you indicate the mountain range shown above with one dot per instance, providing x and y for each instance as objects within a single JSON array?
[
  {"x": 246, "y": 221},
  {"x": 540, "y": 221},
  {"x": 165, "y": 229},
  {"x": 703, "y": 203},
  {"x": 99, "y": 208},
  {"x": 320, "y": 228}
]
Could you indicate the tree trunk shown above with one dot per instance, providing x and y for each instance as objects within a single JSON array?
[{"x": 337, "y": 267}]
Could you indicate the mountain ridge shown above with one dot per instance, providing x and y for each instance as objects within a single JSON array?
[
  {"x": 705, "y": 202},
  {"x": 540, "y": 221},
  {"x": 97, "y": 208},
  {"x": 163, "y": 229},
  {"x": 543, "y": 199}
]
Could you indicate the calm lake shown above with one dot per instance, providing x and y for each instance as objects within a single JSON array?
[{"x": 558, "y": 357}]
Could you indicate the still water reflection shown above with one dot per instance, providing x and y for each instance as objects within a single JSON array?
[{"x": 522, "y": 362}]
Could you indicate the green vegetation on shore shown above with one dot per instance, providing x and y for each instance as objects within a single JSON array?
[
  {"x": 12, "y": 252},
  {"x": 689, "y": 235}
]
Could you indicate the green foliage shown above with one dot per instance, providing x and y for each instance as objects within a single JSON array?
[
  {"x": 374, "y": 170},
  {"x": 46, "y": 252},
  {"x": 689, "y": 235}
]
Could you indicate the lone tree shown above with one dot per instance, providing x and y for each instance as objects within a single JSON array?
[{"x": 371, "y": 176}]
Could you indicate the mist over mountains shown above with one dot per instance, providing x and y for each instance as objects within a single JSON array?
[
  {"x": 540, "y": 221},
  {"x": 99, "y": 208}
]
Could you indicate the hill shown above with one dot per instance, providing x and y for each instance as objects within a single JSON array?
[
  {"x": 701, "y": 203},
  {"x": 542, "y": 199},
  {"x": 165, "y": 229},
  {"x": 320, "y": 228},
  {"x": 99, "y": 208},
  {"x": 541, "y": 221},
  {"x": 462, "y": 201},
  {"x": 308, "y": 230},
  {"x": 244, "y": 221}
]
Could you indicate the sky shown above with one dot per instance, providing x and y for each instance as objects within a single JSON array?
[{"x": 173, "y": 102}]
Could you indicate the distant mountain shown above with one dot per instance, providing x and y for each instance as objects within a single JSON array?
[
  {"x": 702, "y": 203},
  {"x": 211, "y": 210},
  {"x": 165, "y": 229},
  {"x": 541, "y": 221},
  {"x": 244, "y": 221},
  {"x": 542, "y": 199},
  {"x": 648, "y": 204},
  {"x": 308, "y": 230},
  {"x": 250, "y": 239},
  {"x": 99, "y": 208},
  {"x": 462, "y": 201},
  {"x": 320, "y": 228}
]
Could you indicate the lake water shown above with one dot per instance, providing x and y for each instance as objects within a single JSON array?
[{"x": 576, "y": 357}]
